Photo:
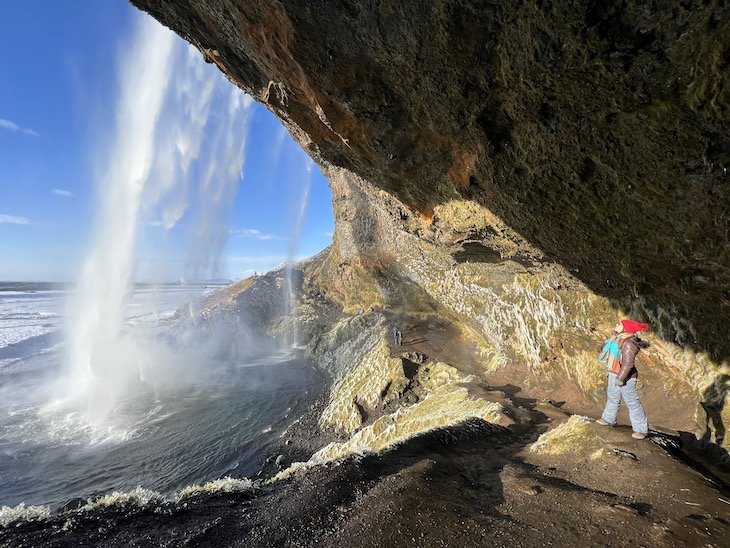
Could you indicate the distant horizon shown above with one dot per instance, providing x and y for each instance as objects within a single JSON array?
[
  {"x": 225, "y": 281},
  {"x": 221, "y": 280}
]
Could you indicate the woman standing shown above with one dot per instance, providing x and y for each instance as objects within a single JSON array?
[{"x": 619, "y": 356}]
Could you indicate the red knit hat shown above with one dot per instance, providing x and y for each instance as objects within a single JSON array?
[{"x": 631, "y": 326}]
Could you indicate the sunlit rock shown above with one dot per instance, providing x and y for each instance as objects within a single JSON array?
[
  {"x": 530, "y": 173},
  {"x": 576, "y": 435}
]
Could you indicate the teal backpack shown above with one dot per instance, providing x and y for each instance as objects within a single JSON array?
[{"x": 610, "y": 355}]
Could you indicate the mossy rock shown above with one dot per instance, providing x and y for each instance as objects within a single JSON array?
[
  {"x": 576, "y": 435},
  {"x": 449, "y": 404},
  {"x": 375, "y": 380}
]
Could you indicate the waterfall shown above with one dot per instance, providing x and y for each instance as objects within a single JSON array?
[
  {"x": 178, "y": 125},
  {"x": 293, "y": 247}
]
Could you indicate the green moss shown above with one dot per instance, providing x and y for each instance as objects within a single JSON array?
[
  {"x": 584, "y": 368},
  {"x": 350, "y": 283},
  {"x": 576, "y": 435},
  {"x": 435, "y": 375},
  {"x": 361, "y": 293},
  {"x": 376, "y": 380},
  {"x": 344, "y": 330},
  {"x": 465, "y": 215},
  {"x": 446, "y": 403}
]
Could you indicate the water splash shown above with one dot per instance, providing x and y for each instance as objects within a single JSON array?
[
  {"x": 293, "y": 247},
  {"x": 168, "y": 135}
]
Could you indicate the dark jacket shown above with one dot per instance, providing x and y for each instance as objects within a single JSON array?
[{"x": 629, "y": 349}]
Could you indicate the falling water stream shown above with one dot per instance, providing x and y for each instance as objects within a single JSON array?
[
  {"x": 164, "y": 129},
  {"x": 126, "y": 399},
  {"x": 295, "y": 232}
]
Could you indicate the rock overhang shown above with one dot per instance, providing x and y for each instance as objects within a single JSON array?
[{"x": 595, "y": 130}]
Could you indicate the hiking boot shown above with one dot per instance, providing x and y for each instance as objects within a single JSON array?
[
  {"x": 638, "y": 436},
  {"x": 602, "y": 422}
]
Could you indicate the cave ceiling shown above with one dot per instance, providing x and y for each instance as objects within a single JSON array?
[{"x": 597, "y": 130}]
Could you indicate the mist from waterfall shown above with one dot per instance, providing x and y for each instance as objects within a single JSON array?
[
  {"x": 118, "y": 382},
  {"x": 178, "y": 148}
]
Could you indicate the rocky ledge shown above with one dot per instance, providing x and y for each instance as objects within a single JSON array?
[{"x": 431, "y": 442}]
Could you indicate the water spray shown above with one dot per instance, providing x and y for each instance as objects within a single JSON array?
[{"x": 168, "y": 137}]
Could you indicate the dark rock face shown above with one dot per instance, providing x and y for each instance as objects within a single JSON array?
[{"x": 596, "y": 130}]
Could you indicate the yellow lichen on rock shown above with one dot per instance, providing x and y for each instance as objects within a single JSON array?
[
  {"x": 469, "y": 217},
  {"x": 585, "y": 369},
  {"x": 432, "y": 376},
  {"x": 447, "y": 403},
  {"x": 376, "y": 380},
  {"x": 466, "y": 215},
  {"x": 350, "y": 281},
  {"x": 576, "y": 435}
]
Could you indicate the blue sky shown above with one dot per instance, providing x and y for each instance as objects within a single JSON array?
[{"x": 59, "y": 99}]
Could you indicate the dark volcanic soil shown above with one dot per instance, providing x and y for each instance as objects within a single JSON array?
[
  {"x": 472, "y": 485},
  {"x": 475, "y": 484}
]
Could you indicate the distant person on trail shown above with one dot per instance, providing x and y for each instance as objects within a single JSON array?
[
  {"x": 397, "y": 337},
  {"x": 618, "y": 355}
]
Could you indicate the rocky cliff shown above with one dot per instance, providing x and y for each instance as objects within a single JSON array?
[
  {"x": 595, "y": 131},
  {"x": 508, "y": 179},
  {"x": 531, "y": 171}
]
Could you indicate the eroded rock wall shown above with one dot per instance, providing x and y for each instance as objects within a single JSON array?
[
  {"x": 595, "y": 130},
  {"x": 531, "y": 171},
  {"x": 507, "y": 298}
]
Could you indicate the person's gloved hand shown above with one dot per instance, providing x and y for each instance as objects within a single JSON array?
[{"x": 619, "y": 382}]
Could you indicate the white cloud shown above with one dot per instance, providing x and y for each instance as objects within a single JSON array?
[
  {"x": 253, "y": 234},
  {"x": 13, "y": 220},
  {"x": 7, "y": 124},
  {"x": 329, "y": 234},
  {"x": 12, "y": 126},
  {"x": 62, "y": 192}
]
